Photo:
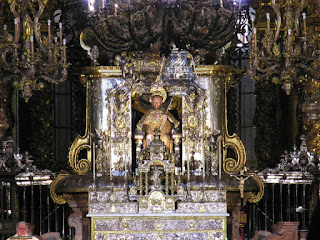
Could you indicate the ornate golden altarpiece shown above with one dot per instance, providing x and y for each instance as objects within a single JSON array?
[
  {"x": 181, "y": 188},
  {"x": 139, "y": 192}
]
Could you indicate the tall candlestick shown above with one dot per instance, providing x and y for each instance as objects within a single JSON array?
[
  {"x": 32, "y": 46},
  {"x": 60, "y": 32},
  {"x": 252, "y": 21},
  {"x": 4, "y": 29},
  {"x": 130, "y": 146},
  {"x": 49, "y": 31},
  {"x": 219, "y": 158},
  {"x": 304, "y": 17},
  {"x": 202, "y": 143},
  {"x": 203, "y": 159},
  {"x": 289, "y": 37},
  {"x": 16, "y": 29},
  {"x": 188, "y": 159},
  {"x": 110, "y": 160},
  {"x": 255, "y": 38},
  {"x": 64, "y": 50},
  {"x": 115, "y": 9},
  {"x": 268, "y": 23},
  {"x": 125, "y": 165},
  {"x": 94, "y": 161}
]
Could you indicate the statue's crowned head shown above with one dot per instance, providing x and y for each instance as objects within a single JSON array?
[{"x": 158, "y": 91}]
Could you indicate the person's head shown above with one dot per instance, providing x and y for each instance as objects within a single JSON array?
[
  {"x": 135, "y": 104},
  {"x": 22, "y": 228},
  {"x": 156, "y": 102}
]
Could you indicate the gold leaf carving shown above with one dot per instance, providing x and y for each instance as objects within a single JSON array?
[
  {"x": 256, "y": 197},
  {"x": 59, "y": 199}
]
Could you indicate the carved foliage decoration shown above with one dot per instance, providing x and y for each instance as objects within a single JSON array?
[
  {"x": 232, "y": 165},
  {"x": 194, "y": 127},
  {"x": 59, "y": 199},
  {"x": 138, "y": 24},
  {"x": 82, "y": 166},
  {"x": 256, "y": 197},
  {"x": 121, "y": 125}
]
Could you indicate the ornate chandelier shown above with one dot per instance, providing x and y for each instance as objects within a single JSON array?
[
  {"x": 27, "y": 56},
  {"x": 285, "y": 54}
]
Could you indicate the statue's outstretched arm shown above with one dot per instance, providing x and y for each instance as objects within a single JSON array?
[{"x": 172, "y": 119}]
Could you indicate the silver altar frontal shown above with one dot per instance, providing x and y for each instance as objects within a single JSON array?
[
  {"x": 165, "y": 181},
  {"x": 158, "y": 218}
]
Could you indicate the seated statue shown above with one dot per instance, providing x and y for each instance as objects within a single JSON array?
[{"x": 158, "y": 121}]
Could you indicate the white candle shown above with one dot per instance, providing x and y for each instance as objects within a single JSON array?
[
  {"x": 221, "y": 3},
  {"x": 15, "y": 27},
  {"x": 252, "y": 23},
  {"x": 91, "y": 5},
  {"x": 110, "y": 163},
  {"x": 304, "y": 17},
  {"x": 94, "y": 161},
  {"x": 219, "y": 151},
  {"x": 125, "y": 165},
  {"x": 188, "y": 159},
  {"x": 4, "y": 29},
  {"x": 203, "y": 158},
  {"x": 130, "y": 146},
  {"x": 255, "y": 38},
  {"x": 239, "y": 5},
  {"x": 60, "y": 32},
  {"x": 32, "y": 46},
  {"x": 268, "y": 23},
  {"x": 49, "y": 31},
  {"x": 289, "y": 37},
  {"x": 64, "y": 50},
  {"x": 115, "y": 9}
]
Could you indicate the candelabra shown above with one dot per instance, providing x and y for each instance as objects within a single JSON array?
[
  {"x": 285, "y": 54},
  {"x": 299, "y": 160},
  {"x": 311, "y": 109},
  {"x": 27, "y": 56}
]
